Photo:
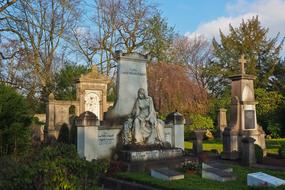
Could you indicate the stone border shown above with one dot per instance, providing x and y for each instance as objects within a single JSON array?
[{"x": 118, "y": 184}]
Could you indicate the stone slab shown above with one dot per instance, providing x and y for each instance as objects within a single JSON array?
[
  {"x": 217, "y": 175},
  {"x": 136, "y": 156},
  {"x": 217, "y": 165},
  {"x": 263, "y": 179},
  {"x": 166, "y": 174},
  {"x": 171, "y": 163}
]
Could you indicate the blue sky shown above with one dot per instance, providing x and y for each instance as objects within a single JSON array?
[
  {"x": 186, "y": 15},
  {"x": 206, "y": 17}
]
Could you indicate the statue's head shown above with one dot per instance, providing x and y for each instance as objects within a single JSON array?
[{"x": 141, "y": 93}]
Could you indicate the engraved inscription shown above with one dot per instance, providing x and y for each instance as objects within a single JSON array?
[
  {"x": 106, "y": 138},
  {"x": 249, "y": 119},
  {"x": 133, "y": 72}
]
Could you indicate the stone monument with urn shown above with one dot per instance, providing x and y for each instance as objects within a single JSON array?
[{"x": 243, "y": 121}]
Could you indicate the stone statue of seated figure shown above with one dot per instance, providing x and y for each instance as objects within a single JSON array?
[{"x": 142, "y": 126}]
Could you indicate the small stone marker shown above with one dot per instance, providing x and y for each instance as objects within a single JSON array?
[
  {"x": 263, "y": 179},
  {"x": 217, "y": 171},
  {"x": 166, "y": 174}
]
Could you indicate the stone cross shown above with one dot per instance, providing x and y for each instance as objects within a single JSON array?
[{"x": 242, "y": 61}]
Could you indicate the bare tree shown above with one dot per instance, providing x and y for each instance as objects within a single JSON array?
[
  {"x": 196, "y": 54},
  {"x": 40, "y": 27},
  {"x": 5, "y": 4},
  {"x": 118, "y": 25}
]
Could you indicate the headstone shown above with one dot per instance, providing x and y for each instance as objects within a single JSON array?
[
  {"x": 248, "y": 151},
  {"x": 198, "y": 141},
  {"x": 243, "y": 121},
  {"x": 166, "y": 174},
  {"x": 217, "y": 171},
  {"x": 263, "y": 179},
  {"x": 131, "y": 76}
]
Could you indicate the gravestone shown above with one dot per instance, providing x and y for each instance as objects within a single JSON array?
[
  {"x": 248, "y": 151},
  {"x": 130, "y": 131},
  {"x": 197, "y": 138},
  {"x": 216, "y": 171},
  {"x": 243, "y": 121},
  {"x": 131, "y": 76},
  {"x": 166, "y": 174},
  {"x": 263, "y": 179}
]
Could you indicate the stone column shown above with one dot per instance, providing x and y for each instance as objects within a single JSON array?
[
  {"x": 222, "y": 121},
  {"x": 248, "y": 151},
  {"x": 87, "y": 135},
  {"x": 177, "y": 121},
  {"x": 198, "y": 141},
  {"x": 49, "y": 131}
]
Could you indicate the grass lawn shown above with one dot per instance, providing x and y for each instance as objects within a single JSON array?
[
  {"x": 272, "y": 145},
  {"x": 195, "y": 181}
]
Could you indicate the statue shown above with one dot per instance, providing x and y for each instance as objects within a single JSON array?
[{"x": 142, "y": 126}]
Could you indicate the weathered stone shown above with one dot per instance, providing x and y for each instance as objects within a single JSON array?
[
  {"x": 131, "y": 76},
  {"x": 217, "y": 175},
  {"x": 263, "y": 179},
  {"x": 217, "y": 165},
  {"x": 166, "y": 174},
  {"x": 216, "y": 171},
  {"x": 91, "y": 95},
  {"x": 135, "y": 156},
  {"x": 222, "y": 121},
  {"x": 243, "y": 115},
  {"x": 198, "y": 141},
  {"x": 248, "y": 151}
]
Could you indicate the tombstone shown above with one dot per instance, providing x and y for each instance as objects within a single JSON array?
[
  {"x": 222, "y": 121},
  {"x": 248, "y": 151},
  {"x": 87, "y": 135},
  {"x": 216, "y": 171},
  {"x": 243, "y": 121},
  {"x": 131, "y": 76},
  {"x": 130, "y": 130},
  {"x": 166, "y": 174},
  {"x": 263, "y": 180},
  {"x": 198, "y": 141}
]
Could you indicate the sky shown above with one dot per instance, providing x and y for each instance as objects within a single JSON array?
[{"x": 206, "y": 17}]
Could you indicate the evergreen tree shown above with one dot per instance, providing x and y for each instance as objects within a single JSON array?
[
  {"x": 251, "y": 39},
  {"x": 14, "y": 121},
  {"x": 65, "y": 88}
]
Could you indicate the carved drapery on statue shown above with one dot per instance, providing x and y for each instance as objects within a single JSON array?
[{"x": 142, "y": 126}]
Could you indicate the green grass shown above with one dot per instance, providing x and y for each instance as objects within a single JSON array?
[
  {"x": 196, "y": 182},
  {"x": 272, "y": 145}
]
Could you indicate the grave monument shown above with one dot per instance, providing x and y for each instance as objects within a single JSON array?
[
  {"x": 91, "y": 95},
  {"x": 130, "y": 130},
  {"x": 243, "y": 121}
]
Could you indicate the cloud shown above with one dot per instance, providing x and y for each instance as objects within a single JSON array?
[{"x": 271, "y": 14}]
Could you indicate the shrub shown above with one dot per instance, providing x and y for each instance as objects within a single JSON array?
[
  {"x": 281, "y": 150},
  {"x": 198, "y": 122},
  {"x": 15, "y": 119},
  {"x": 53, "y": 167},
  {"x": 274, "y": 129},
  {"x": 258, "y": 153},
  {"x": 63, "y": 135}
]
